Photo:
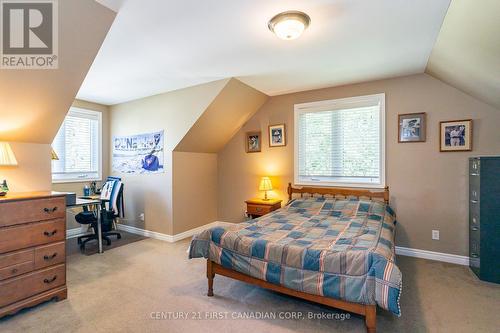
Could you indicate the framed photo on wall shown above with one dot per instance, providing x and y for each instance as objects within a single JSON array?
[
  {"x": 455, "y": 135},
  {"x": 253, "y": 142},
  {"x": 412, "y": 127},
  {"x": 277, "y": 135}
]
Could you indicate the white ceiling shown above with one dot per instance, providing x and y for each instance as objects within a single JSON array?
[{"x": 157, "y": 46}]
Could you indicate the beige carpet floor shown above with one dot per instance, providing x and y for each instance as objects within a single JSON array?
[{"x": 128, "y": 288}]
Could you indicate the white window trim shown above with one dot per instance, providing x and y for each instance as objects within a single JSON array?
[
  {"x": 340, "y": 104},
  {"x": 99, "y": 154}
]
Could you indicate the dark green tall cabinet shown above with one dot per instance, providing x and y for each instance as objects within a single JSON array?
[{"x": 484, "y": 217}]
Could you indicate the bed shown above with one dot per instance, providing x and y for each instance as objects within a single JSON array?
[{"x": 332, "y": 246}]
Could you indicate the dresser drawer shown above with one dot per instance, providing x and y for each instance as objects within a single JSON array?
[
  {"x": 18, "y": 257},
  {"x": 475, "y": 233},
  {"x": 30, "y": 284},
  {"x": 16, "y": 263},
  {"x": 474, "y": 167},
  {"x": 24, "y": 211},
  {"x": 474, "y": 219},
  {"x": 474, "y": 189},
  {"x": 258, "y": 210},
  {"x": 15, "y": 270},
  {"x": 33, "y": 234},
  {"x": 49, "y": 255},
  {"x": 474, "y": 248}
]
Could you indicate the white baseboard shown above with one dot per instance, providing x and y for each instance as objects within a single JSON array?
[
  {"x": 75, "y": 232},
  {"x": 165, "y": 237},
  {"x": 430, "y": 255},
  {"x": 403, "y": 251}
]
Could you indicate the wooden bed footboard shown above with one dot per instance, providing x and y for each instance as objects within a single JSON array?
[{"x": 368, "y": 311}]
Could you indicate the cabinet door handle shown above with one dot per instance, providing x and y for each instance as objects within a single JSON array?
[
  {"x": 47, "y": 281},
  {"x": 49, "y": 210},
  {"x": 473, "y": 201},
  {"x": 50, "y": 234},
  {"x": 474, "y": 255},
  {"x": 475, "y": 228},
  {"x": 46, "y": 257}
]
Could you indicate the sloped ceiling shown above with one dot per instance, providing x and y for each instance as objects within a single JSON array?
[
  {"x": 33, "y": 103},
  {"x": 234, "y": 105},
  {"x": 467, "y": 52},
  {"x": 157, "y": 46}
]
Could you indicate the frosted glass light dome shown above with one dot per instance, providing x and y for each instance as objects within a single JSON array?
[{"x": 289, "y": 25}]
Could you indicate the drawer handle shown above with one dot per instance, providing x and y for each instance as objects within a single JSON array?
[
  {"x": 50, "y": 234},
  {"x": 50, "y": 210},
  {"x": 475, "y": 228},
  {"x": 473, "y": 201},
  {"x": 474, "y": 255},
  {"x": 14, "y": 271},
  {"x": 258, "y": 209},
  {"x": 51, "y": 280},
  {"x": 46, "y": 257}
]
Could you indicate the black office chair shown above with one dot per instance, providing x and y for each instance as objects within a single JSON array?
[{"x": 108, "y": 220}]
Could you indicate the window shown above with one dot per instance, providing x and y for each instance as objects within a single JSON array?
[
  {"x": 341, "y": 142},
  {"x": 78, "y": 146}
]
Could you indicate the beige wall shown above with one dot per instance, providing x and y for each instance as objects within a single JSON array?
[
  {"x": 428, "y": 188},
  {"x": 77, "y": 187},
  {"x": 194, "y": 190},
  {"x": 174, "y": 112},
  {"x": 33, "y": 170}
]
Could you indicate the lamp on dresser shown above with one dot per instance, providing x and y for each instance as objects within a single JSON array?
[{"x": 7, "y": 158}]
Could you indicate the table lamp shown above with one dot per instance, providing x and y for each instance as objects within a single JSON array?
[
  {"x": 265, "y": 185},
  {"x": 7, "y": 158},
  {"x": 53, "y": 155}
]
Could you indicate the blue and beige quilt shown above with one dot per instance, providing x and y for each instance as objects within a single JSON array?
[{"x": 341, "y": 248}]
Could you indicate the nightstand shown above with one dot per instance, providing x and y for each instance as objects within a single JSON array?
[{"x": 259, "y": 207}]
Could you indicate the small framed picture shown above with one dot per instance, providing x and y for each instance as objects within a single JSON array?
[
  {"x": 277, "y": 135},
  {"x": 253, "y": 142},
  {"x": 456, "y": 135},
  {"x": 412, "y": 127}
]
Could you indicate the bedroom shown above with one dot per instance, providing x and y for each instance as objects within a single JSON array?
[{"x": 228, "y": 111}]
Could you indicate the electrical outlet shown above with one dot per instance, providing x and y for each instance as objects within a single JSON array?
[
  {"x": 435, "y": 234},
  {"x": 141, "y": 217}
]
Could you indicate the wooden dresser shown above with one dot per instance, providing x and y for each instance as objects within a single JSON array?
[{"x": 32, "y": 250}]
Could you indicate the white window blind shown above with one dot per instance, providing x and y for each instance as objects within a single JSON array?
[
  {"x": 78, "y": 146},
  {"x": 340, "y": 142}
]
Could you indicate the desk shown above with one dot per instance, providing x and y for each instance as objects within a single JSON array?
[
  {"x": 91, "y": 197},
  {"x": 89, "y": 202}
]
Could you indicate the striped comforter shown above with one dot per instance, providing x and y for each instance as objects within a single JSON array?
[{"x": 338, "y": 248}]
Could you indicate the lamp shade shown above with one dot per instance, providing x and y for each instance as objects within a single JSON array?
[
  {"x": 7, "y": 157},
  {"x": 53, "y": 155},
  {"x": 265, "y": 184}
]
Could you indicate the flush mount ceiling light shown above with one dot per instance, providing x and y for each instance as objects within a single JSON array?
[{"x": 289, "y": 25}]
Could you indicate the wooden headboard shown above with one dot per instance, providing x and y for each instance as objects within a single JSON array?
[{"x": 383, "y": 194}]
